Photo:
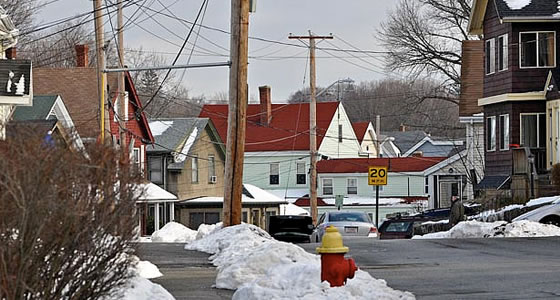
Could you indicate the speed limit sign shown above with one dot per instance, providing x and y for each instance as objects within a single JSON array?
[{"x": 377, "y": 176}]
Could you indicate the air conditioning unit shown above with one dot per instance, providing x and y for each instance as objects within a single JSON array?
[{"x": 213, "y": 179}]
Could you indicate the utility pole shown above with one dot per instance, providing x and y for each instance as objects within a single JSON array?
[
  {"x": 122, "y": 101},
  {"x": 312, "y": 122},
  {"x": 100, "y": 53},
  {"x": 378, "y": 133},
  {"x": 237, "y": 115}
]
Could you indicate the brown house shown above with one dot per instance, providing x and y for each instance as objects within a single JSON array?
[
  {"x": 519, "y": 96},
  {"x": 186, "y": 159}
]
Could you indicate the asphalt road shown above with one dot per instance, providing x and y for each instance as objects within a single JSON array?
[
  {"x": 512, "y": 268},
  {"x": 186, "y": 274}
]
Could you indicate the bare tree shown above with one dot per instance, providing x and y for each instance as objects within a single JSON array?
[
  {"x": 65, "y": 221},
  {"x": 22, "y": 13},
  {"x": 424, "y": 37}
]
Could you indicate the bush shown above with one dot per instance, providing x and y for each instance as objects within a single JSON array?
[{"x": 65, "y": 221}]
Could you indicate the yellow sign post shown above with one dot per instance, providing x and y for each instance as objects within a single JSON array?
[{"x": 377, "y": 176}]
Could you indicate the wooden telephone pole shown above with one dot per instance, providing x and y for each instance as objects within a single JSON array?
[
  {"x": 122, "y": 101},
  {"x": 312, "y": 122},
  {"x": 237, "y": 115},
  {"x": 100, "y": 53}
]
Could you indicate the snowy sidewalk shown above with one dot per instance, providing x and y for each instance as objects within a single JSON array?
[{"x": 186, "y": 274}]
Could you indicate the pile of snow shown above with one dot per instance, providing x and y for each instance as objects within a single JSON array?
[
  {"x": 206, "y": 229},
  {"x": 476, "y": 229},
  {"x": 139, "y": 287},
  {"x": 174, "y": 232},
  {"x": 259, "y": 267}
]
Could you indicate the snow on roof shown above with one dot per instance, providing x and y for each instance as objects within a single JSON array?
[
  {"x": 159, "y": 127},
  {"x": 289, "y": 194},
  {"x": 292, "y": 210},
  {"x": 180, "y": 157},
  {"x": 517, "y": 4},
  {"x": 152, "y": 192},
  {"x": 259, "y": 196},
  {"x": 357, "y": 200}
]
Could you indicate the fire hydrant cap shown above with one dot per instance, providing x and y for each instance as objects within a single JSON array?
[{"x": 332, "y": 242}]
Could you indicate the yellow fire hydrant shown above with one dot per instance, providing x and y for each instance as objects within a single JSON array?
[{"x": 334, "y": 267}]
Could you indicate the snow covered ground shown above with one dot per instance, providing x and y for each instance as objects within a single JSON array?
[
  {"x": 476, "y": 229},
  {"x": 259, "y": 267},
  {"x": 139, "y": 287}
]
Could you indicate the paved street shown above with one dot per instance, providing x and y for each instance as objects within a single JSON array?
[
  {"x": 186, "y": 274},
  {"x": 513, "y": 268}
]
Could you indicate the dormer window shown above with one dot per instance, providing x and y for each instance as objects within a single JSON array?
[
  {"x": 490, "y": 56},
  {"x": 537, "y": 49}
]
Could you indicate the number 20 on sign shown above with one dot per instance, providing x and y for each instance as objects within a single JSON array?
[{"x": 377, "y": 176}]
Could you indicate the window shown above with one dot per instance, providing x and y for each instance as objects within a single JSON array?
[
  {"x": 352, "y": 186},
  {"x": 491, "y": 134},
  {"x": 155, "y": 166},
  {"x": 300, "y": 173},
  {"x": 194, "y": 169},
  {"x": 533, "y": 130},
  {"x": 537, "y": 49},
  {"x": 211, "y": 168},
  {"x": 427, "y": 185},
  {"x": 340, "y": 133},
  {"x": 490, "y": 56},
  {"x": 197, "y": 218},
  {"x": 503, "y": 52},
  {"x": 504, "y": 132},
  {"x": 274, "y": 177},
  {"x": 327, "y": 186}
]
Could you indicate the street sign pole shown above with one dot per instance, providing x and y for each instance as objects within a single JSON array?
[{"x": 377, "y": 206}]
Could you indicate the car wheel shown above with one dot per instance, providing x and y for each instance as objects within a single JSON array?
[{"x": 552, "y": 220}]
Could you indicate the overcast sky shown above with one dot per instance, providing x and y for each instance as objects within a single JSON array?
[{"x": 284, "y": 68}]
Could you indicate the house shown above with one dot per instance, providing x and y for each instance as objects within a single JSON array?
[
  {"x": 156, "y": 207},
  {"x": 409, "y": 179},
  {"x": 419, "y": 143},
  {"x": 368, "y": 138},
  {"x": 187, "y": 160},
  {"x": 520, "y": 95},
  {"x": 78, "y": 88},
  {"x": 52, "y": 110},
  {"x": 257, "y": 206},
  {"x": 277, "y": 140}
]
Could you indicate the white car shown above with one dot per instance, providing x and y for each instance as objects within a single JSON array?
[
  {"x": 348, "y": 223},
  {"x": 548, "y": 214}
]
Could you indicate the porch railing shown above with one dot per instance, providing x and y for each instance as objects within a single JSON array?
[{"x": 521, "y": 160}]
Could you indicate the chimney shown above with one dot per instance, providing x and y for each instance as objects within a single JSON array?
[
  {"x": 402, "y": 128},
  {"x": 266, "y": 105},
  {"x": 82, "y": 56},
  {"x": 11, "y": 53},
  {"x": 472, "y": 77}
]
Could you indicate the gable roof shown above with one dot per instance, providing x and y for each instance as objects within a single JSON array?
[
  {"x": 78, "y": 88},
  {"x": 405, "y": 140},
  {"x": 361, "y": 165},
  {"x": 288, "y": 129},
  {"x": 360, "y": 129},
  {"x": 177, "y": 135},
  {"x": 513, "y": 11},
  {"x": 42, "y": 106}
]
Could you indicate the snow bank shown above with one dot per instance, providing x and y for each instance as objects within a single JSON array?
[
  {"x": 205, "y": 229},
  {"x": 476, "y": 229},
  {"x": 174, "y": 232},
  {"x": 259, "y": 267},
  {"x": 139, "y": 287}
]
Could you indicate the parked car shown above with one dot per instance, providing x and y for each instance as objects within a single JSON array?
[
  {"x": 548, "y": 214},
  {"x": 348, "y": 223},
  {"x": 400, "y": 227},
  {"x": 295, "y": 229}
]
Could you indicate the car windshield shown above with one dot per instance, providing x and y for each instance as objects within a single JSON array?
[
  {"x": 348, "y": 217},
  {"x": 398, "y": 227}
]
